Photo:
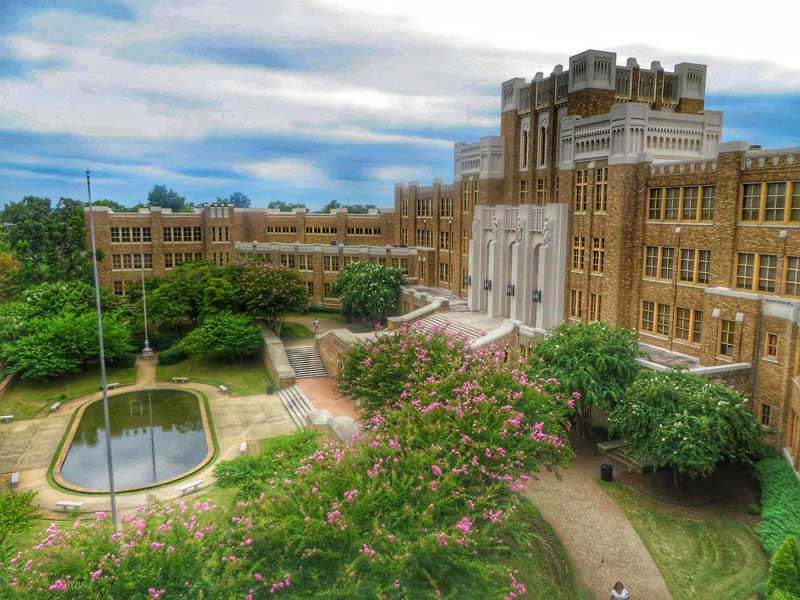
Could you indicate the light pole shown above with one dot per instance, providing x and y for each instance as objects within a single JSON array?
[
  {"x": 103, "y": 383},
  {"x": 147, "y": 351}
]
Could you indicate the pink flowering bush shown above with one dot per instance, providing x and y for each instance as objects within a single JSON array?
[{"x": 424, "y": 506}]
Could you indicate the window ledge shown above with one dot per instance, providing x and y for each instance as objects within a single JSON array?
[
  {"x": 654, "y": 280},
  {"x": 699, "y": 286},
  {"x": 773, "y": 361}
]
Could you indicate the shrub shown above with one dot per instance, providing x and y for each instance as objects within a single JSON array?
[
  {"x": 173, "y": 355},
  {"x": 784, "y": 569},
  {"x": 369, "y": 290},
  {"x": 124, "y": 360},
  {"x": 17, "y": 512},
  {"x": 780, "y": 502},
  {"x": 224, "y": 335}
]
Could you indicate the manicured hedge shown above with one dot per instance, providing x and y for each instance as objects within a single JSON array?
[
  {"x": 780, "y": 498},
  {"x": 173, "y": 355}
]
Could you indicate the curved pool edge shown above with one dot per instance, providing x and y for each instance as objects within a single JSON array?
[{"x": 211, "y": 447}]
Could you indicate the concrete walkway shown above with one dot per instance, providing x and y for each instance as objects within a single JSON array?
[
  {"x": 602, "y": 544},
  {"x": 28, "y": 446}
]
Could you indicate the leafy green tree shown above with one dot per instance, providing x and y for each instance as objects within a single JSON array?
[
  {"x": 268, "y": 291},
  {"x": 17, "y": 513},
  {"x": 784, "y": 570},
  {"x": 353, "y": 209},
  {"x": 65, "y": 343},
  {"x": 224, "y": 335},
  {"x": 285, "y": 206},
  {"x": 219, "y": 296},
  {"x": 238, "y": 199},
  {"x": 9, "y": 268},
  {"x": 592, "y": 362},
  {"x": 685, "y": 423},
  {"x": 67, "y": 256},
  {"x": 167, "y": 198},
  {"x": 781, "y": 595},
  {"x": 115, "y": 206},
  {"x": 29, "y": 235},
  {"x": 178, "y": 298},
  {"x": 369, "y": 290}
]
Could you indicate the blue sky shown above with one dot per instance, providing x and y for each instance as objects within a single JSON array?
[{"x": 309, "y": 101}]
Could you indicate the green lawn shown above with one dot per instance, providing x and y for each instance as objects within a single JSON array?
[
  {"x": 706, "y": 552},
  {"x": 291, "y": 330},
  {"x": 331, "y": 316},
  {"x": 241, "y": 378},
  {"x": 26, "y": 397}
]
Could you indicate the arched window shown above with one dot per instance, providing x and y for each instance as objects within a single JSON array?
[
  {"x": 524, "y": 150},
  {"x": 542, "y": 158}
]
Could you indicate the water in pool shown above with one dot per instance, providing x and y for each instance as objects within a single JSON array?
[{"x": 155, "y": 435}]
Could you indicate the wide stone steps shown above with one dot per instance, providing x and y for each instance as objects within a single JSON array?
[
  {"x": 296, "y": 404},
  {"x": 459, "y": 307},
  {"x": 306, "y": 362},
  {"x": 460, "y": 330}
]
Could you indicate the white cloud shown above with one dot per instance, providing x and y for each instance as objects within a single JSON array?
[
  {"x": 401, "y": 173},
  {"x": 286, "y": 170}
]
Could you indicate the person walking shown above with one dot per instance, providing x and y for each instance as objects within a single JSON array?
[
  {"x": 618, "y": 592},
  {"x": 316, "y": 326}
]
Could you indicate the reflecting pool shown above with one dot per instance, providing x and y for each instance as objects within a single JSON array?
[{"x": 156, "y": 435}]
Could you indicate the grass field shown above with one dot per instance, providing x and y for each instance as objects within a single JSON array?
[
  {"x": 26, "y": 398},
  {"x": 297, "y": 331},
  {"x": 705, "y": 552},
  {"x": 331, "y": 316},
  {"x": 241, "y": 378}
]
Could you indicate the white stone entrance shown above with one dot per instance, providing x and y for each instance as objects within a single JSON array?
[{"x": 517, "y": 263}]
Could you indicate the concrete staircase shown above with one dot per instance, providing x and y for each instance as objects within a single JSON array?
[
  {"x": 458, "y": 307},
  {"x": 460, "y": 330},
  {"x": 296, "y": 404},
  {"x": 306, "y": 362}
]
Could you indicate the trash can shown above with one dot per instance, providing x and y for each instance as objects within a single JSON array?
[
  {"x": 607, "y": 472},
  {"x": 270, "y": 389}
]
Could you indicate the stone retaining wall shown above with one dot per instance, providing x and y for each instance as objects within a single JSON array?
[{"x": 275, "y": 360}]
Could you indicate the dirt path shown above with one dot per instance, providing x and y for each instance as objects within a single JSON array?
[
  {"x": 600, "y": 541},
  {"x": 145, "y": 371}
]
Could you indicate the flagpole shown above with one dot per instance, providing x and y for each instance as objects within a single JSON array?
[{"x": 103, "y": 383}]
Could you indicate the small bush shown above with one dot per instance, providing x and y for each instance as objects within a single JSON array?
[
  {"x": 124, "y": 360},
  {"x": 753, "y": 509},
  {"x": 784, "y": 570},
  {"x": 17, "y": 512},
  {"x": 173, "y": 355},
  {"x": 780, "y": 502}
]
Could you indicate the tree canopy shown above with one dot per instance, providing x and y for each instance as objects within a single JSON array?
[
  {"x": 268, "y": 291},
  {"x": 685, "y": 422},
  {"x": 353, "y": 209},
  {"x": 238, "y": 199},
  {"x": 591, "y": 361},
  {"x": 784, "y": 572},
  {"x": 224, "y": 335},
  {"x": 167, "y": 198},
  {"x": 369, "y": 290},
  {"x": 285, "y": 206}
]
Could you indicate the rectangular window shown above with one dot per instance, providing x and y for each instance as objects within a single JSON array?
[
  {"x": 330, "y": 263},
  {"x": 474, "y": 192},
  {"x": 187, "y": 234},
  {"x": 727, "y": 335},
  {"x": 654, "y": 206},
  {"x": 709, "y": 198},
  {"x": 114, "y": 239},
  {"x": 703, "y": 266},
  {"x": 444, "y": 240},
  {"x": 197, "y": 234},
  {"x": 671, "y": 204},
  {"x": 595, "y": 301},
  {"x": 137, "y": 261},
  {"x": 745, "y": 269},
  {"x": 541, "y": 192},
  {"x": 766, "y": 413},
  {"x": 148, "y": 261},
  {"x": 465, "y": 241},
  {"x": 137, "y": 234},
  {"x": 794, "y": 207},
  {"x": 179, "y": 259},
  {"x": 305, "y": 262},
  {"x": 446, "y": 207},
  {"x": 444, "y": 272},
  {"x": 404, "y": 237},
  {"x": 600, "y": 189},
  {"x": 751, "y": 201},
  {"x": 688, "y": 324},
  {"x": 327, "y": 289},
  {"x": 581, "y": 183},
  {"x": 523, "y": 191},
  {"x": 119, "y": 288},
  {"x": 775, "y": 202},
  {"x": 126, "y": 234},
  {"x": 198, "y": 256},
  {"x": 578, "y": 251},
  {"x": 687, "y": 265},
  {"x": 116, "y": 262},
  {"x": 651, "y": 261},
  {"x": 168, "y": 262},
  {"x": 689, "y": 209},
  {"x": 576, "y": 304},
  {"x": 287, "y": 260},
  {"x": 664, "y": 319},
  {"x": 167, "y": 234},
  {"x": 697, "y": 328},
  {"x": 695, "y": 265},
  {"x": 309, "y": 287},
  {"x": 767, "y": 272},
  {"x": 667, "y": 262},
  {"x": 792, "y": 286},
  {"x": 598, "y": 255},
  {"x": 127, "y": 261},
  {"x": 771, "y": 347},
  {"x": 177, "y": 234},
  {"x": 648, "y": 315}
]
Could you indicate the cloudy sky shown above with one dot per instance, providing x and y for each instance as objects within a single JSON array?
[{"x": 311, "y": 100}]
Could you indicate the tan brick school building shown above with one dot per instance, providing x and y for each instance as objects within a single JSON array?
[{"x": 608, "y": 195}]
